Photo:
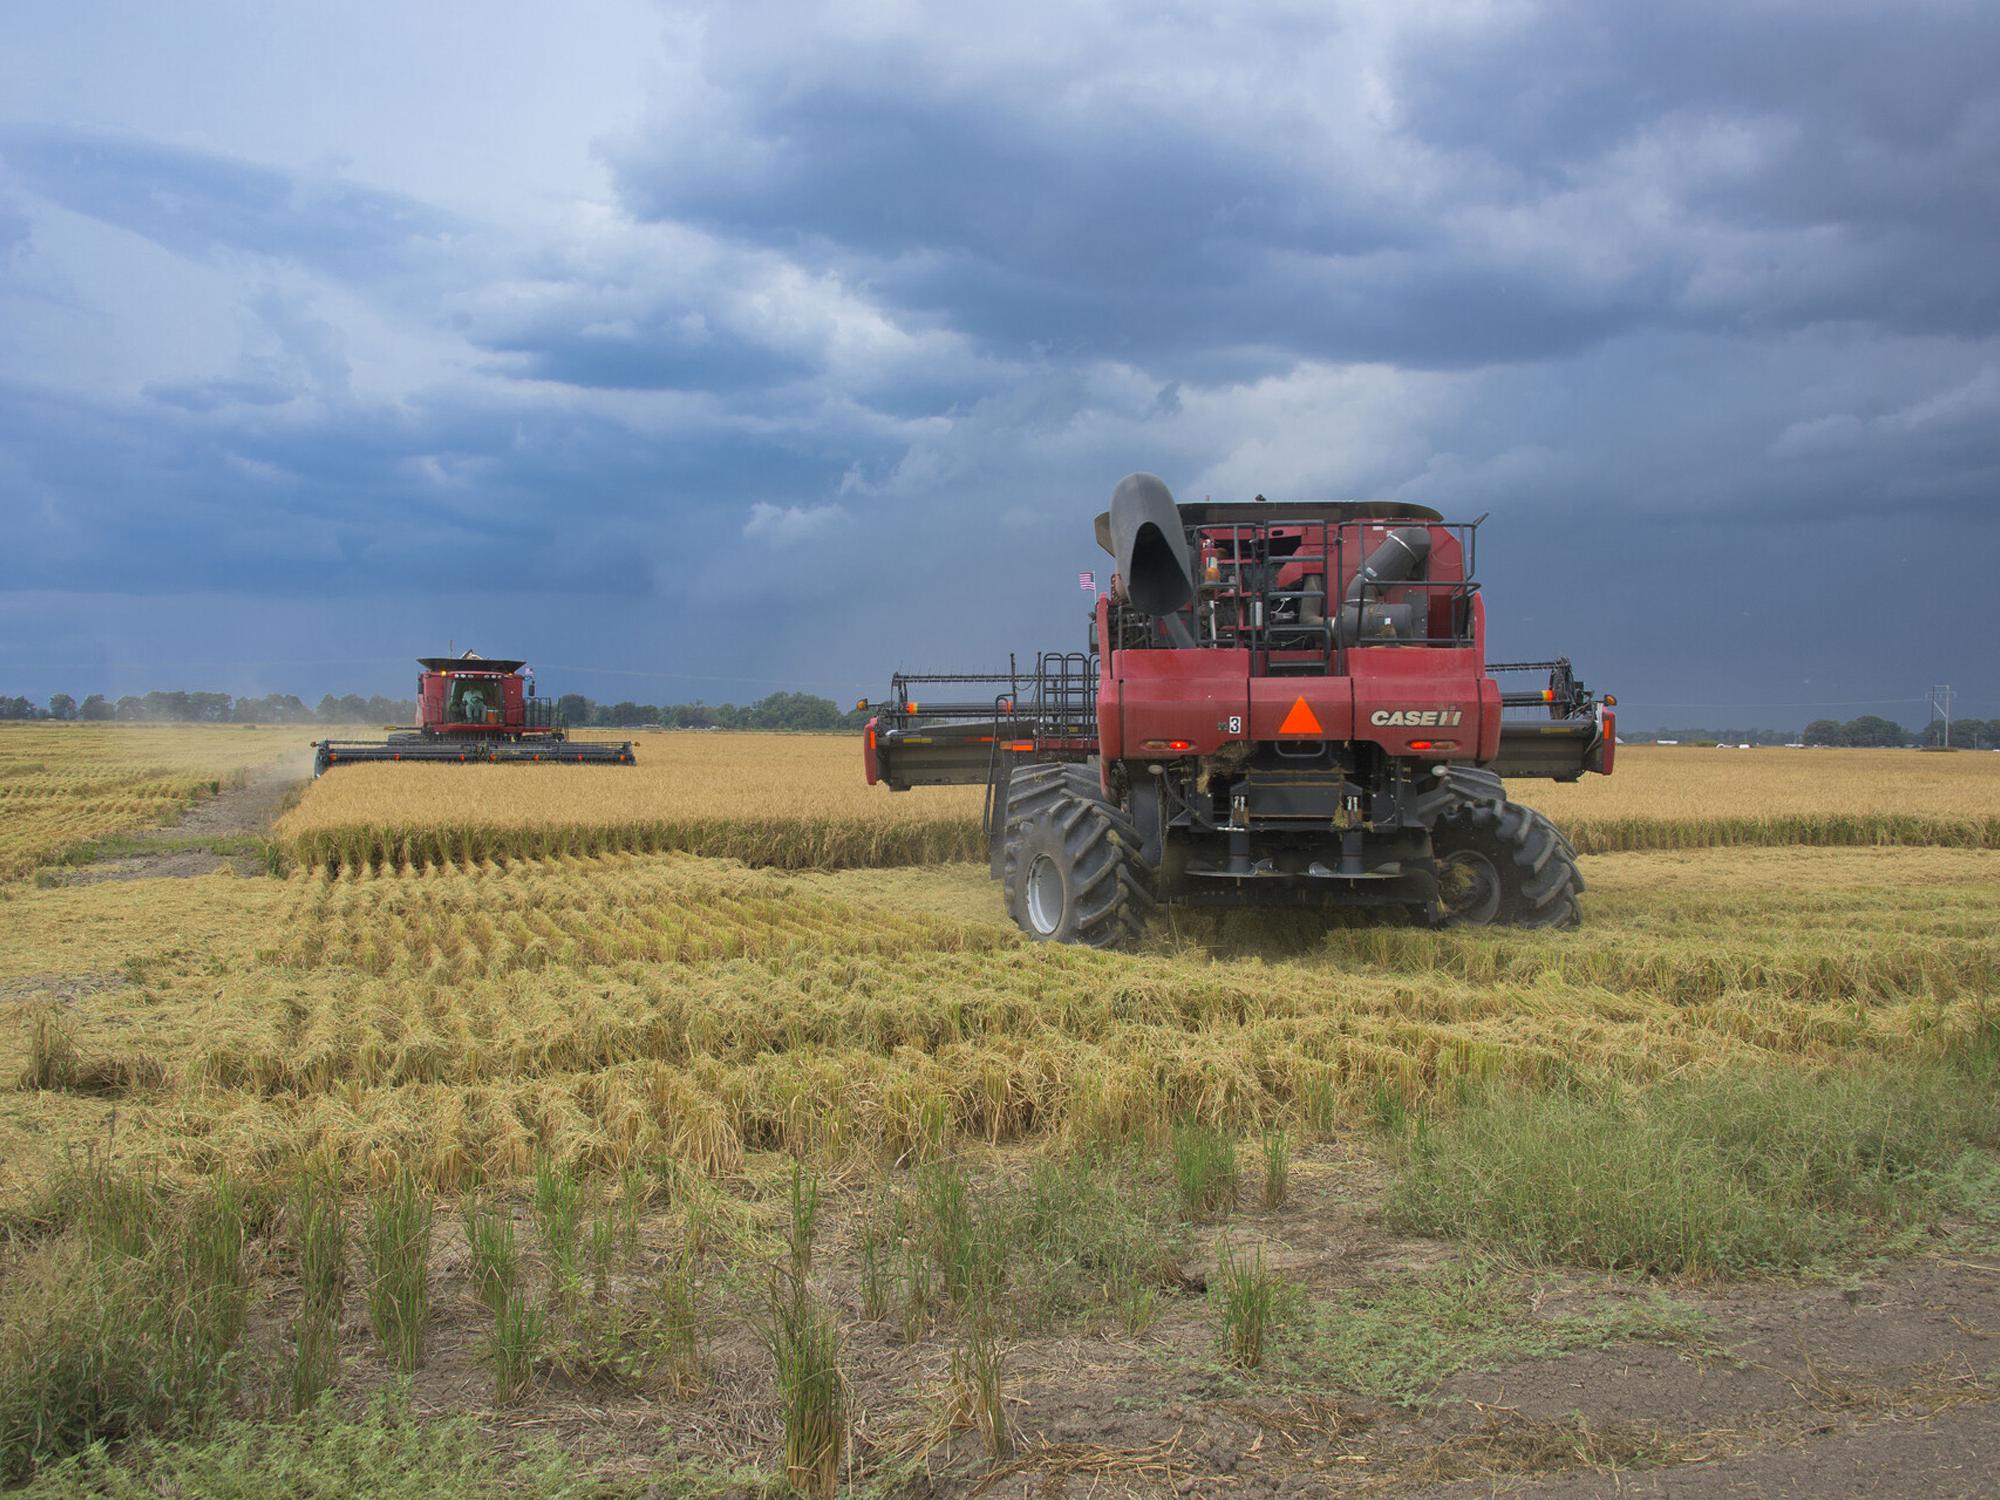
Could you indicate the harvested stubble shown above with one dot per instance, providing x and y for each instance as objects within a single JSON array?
[
  {"x": 62, "y": 785},
  {"x": 616, "y": 1009},
  {"x": 790, "y": 801}
]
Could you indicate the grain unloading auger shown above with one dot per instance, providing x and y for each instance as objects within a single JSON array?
[
  {"x": 472, "y": 710},
  {"x": 1281, "y": 704}
]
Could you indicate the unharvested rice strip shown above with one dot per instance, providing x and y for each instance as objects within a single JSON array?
[{"x": 1601, "y": 835}]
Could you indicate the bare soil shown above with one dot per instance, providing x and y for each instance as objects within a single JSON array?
[
  {"x": 1885, "y": 1384},
  {"x": 236, "y": 812}
]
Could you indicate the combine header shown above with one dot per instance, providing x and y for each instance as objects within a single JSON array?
[
  {"x": 1281, "y": 704},
  {"x": 474, "y": 710}
]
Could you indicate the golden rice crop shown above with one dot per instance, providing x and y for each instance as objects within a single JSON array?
[
  {"x": 64, "y": 784},
  {"x": 799, "y": 802},
  {"x": 612, "y": 1008},
  {"x": 793, "y": 801},
  {"x": 1684, "y": 797},
  {"x": 486, "y": 962}
]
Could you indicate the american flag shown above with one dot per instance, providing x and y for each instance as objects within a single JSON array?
[{"x": 1087, "y": 582}]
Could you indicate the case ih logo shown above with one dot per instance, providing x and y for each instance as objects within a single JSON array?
[{"x": 1427, "y": 718}]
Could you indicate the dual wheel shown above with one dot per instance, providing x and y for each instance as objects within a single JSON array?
[{"x": 1075, "y": 870}]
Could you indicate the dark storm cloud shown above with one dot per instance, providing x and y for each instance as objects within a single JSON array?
[
  {"x": 1883, "y": 113},
  {"x": 1699, "y": 301},
  {"x": 208, "y": 395},
  {"x": 657, "y": 352},
  {"x": 1131, "y": 231},
  {"x": 1077, "y": 213},
  {"x": 199, "y": 203},
  {"x": 1144, "y": 192},
  {"x": 373, "y": 499},
  {"x": 1871, "y": 133}
]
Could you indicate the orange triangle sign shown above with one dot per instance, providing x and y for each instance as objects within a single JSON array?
[{"x": 1301, "y": 720}]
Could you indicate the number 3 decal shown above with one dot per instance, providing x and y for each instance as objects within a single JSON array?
[{"x": 1236, "y": 723}]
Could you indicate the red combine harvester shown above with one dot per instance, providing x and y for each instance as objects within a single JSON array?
[
  {"x": 474, "y": 710},
  {"x": 1282, "y": 704}
]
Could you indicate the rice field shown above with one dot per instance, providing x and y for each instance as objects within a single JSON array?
[
  {"x": 688, "y": 955},
  {"x": 535, "y": 995},
  {"x": 614, "y": 1007},
  {"x": 62, "y": 785},
  {"x": 799, "y": 802},
  {"x": 790, "y": 801},
  {"x": 1684, "y": 797}
]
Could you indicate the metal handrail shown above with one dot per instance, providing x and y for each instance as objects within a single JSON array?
[{"x": 1234, "y": 615}]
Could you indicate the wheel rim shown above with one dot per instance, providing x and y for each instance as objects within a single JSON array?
[
  {"x": 1468, "y": 887},
  {"x": 1045, "y": 895}
]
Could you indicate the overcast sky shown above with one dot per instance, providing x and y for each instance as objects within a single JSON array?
[{"x": 697, "y": 351}]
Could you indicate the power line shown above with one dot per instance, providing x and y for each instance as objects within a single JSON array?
[
  {"x": 779, "y": 682},
  {"x": 1941, "y": 709},
  {"x": 1628, "y": 700}
]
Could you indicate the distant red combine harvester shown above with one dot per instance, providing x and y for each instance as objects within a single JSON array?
[{"x": 476, "y": 710}]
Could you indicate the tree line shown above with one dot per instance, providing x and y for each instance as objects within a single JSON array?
[
  {"x": 1870, "y": 729},
  {"x": 212, "y": 708},
  {"x": 793, "y": 711}
]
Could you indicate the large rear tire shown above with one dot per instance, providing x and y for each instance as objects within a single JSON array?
[
  {"x": 1073, "y": 868},
  {"x": 1501, "y": 864}
]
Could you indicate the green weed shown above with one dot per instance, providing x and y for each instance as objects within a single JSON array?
[
  {"x": 966, "y": 1251},
  {"x": 319, "y": 1249},
  {"x": 384, "y": 1453},
  {"x": 603, "y": 1252},
  {"x": 489, "y": 1236},
  {"x": 1766, "y": 1168},
  {"x": 1395, "y": 1341},
  {"x": 802, "y": 1225},
  {"x": 126, "y": 1323},
  {"x": 396, "y": 1239},
  {"x": 1205, "y": 1170},
  {"x": 1277, "y": 1168},
  {"x": 558, "y": 1210},
  {"x": 515, "y": 1342},
  {"x": 804, "y": 1342},
  {"x": 1245, "y": 1296},
  {"x": 978, "y": 1373}
]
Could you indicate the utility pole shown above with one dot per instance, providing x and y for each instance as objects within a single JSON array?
[{"x": 1941, "y": 709}]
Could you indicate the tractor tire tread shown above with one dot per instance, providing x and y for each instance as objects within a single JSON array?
[
  {"x": 1068, "y": 816},
  {"x": 1539, "y": 879}
]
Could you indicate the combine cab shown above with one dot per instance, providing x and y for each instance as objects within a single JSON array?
[
  {"x": 1280, "y": 705},
  {"x": 472, "y": 710}
]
